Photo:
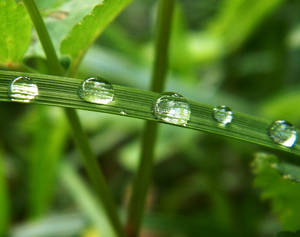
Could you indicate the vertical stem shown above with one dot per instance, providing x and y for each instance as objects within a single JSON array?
[
  {"x": 44, "y": 37},
  {"x": 94, "y": 172},
  {"x": 89, "y": 159},
  {"x": 144, "y": 172}
]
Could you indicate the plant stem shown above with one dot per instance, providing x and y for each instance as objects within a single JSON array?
[
  {"x": 94, "y": 172},
  {"x": 52, "y": 59},
  {"x": 89, "y": 159},
  {"x": 144, "y": 172}
]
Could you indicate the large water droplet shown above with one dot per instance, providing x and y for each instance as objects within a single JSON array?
[
  {"x": 123, "y": 112},
  {"x": 223, "y": 115},
  {"x": 23, "y": 89},
  {"x": 283, "y": 133},
  {"x": 172, "y": 108},
  {"x": 96, "y": 90}
]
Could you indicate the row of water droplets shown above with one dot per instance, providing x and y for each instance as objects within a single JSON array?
[{"x": 169, "y": 107}]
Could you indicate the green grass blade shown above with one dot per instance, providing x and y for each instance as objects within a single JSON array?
[
  {"x": 136, "y": 103},
  {"x": 89, "y": 159},
  {"x": 94, "y": 172},
  {"x": 85, "y": 200}
]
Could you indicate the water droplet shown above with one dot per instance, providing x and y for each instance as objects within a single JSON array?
[
  {"x": 96, "y": 90},
  {"x": 283, "y": 133},
  {"x": 223, "y": 115},
  {"x": 123, "y": 112},
  {"x": 23, "y": 89},
  {"x": 172, "y": 108}
]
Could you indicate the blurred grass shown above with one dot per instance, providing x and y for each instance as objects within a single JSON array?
[
  {"x": 5, "y": 215},
  {"x": 49, "y": 139},
  {"x": 244, "y": 54}
]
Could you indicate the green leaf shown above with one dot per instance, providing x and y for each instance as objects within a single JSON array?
[
  {"x": 15, "y": 33},
  {"x": 49, "y": 5},
  {"x": 85, "y": 32},
  {"x": 283, "y": 193},
  {"x": 60, "y": 16}
]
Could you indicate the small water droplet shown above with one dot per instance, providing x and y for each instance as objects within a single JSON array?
[
  {"x": 96, "y": 90},
  {"x": 223, "y": 115},
  {"x": 23, "y": 89},
  {"x": 172, "y": 108},
  {"x": 283, "y": 133}
]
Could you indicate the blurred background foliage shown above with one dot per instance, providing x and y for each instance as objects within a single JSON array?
[{"x": 241, "y": 53}]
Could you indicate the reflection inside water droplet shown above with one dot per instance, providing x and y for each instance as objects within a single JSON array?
[
  {"x": 23, "y": 89},
  {"x": 283, "y": 133},
  {"x": 223, "y": 115},
  {"x": 172, "y": 108},
  {"x": 96, "y": 90}
]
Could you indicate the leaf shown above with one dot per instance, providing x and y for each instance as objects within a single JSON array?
[
  {"x": 45, "y": 5},
  {"x": 283, "y": 193},
  {"x": 60, "y": 16},
  {"x": 85, "y": 32},
  {"x": 15, "y": 33}
]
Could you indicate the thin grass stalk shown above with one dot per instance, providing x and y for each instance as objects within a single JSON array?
[
  {"x": 81, "y": 139},
  {"x": 144, "y": 173}
]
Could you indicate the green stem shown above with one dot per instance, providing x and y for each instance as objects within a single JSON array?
[
  {"x": 94, "y": 172},
  {"x": 52, "y": 59},
  {"x": 81, "y": 139},
  {"x": 144, "y": 172}
]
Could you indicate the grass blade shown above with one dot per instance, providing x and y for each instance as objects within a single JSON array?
[
  {"x": 89, "y": 159},
  {"x": 136, "y": 103},
  {"x": 85, "y": 200}
]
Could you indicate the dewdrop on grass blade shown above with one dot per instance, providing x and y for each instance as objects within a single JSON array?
[
  {"x": 23, "y": 89},
  {"x": 172, "y": 108},
  {"x": 96, "y": 90},
  {"x": 283, "y": 133},
  {"x": 223, "y": 115}
]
